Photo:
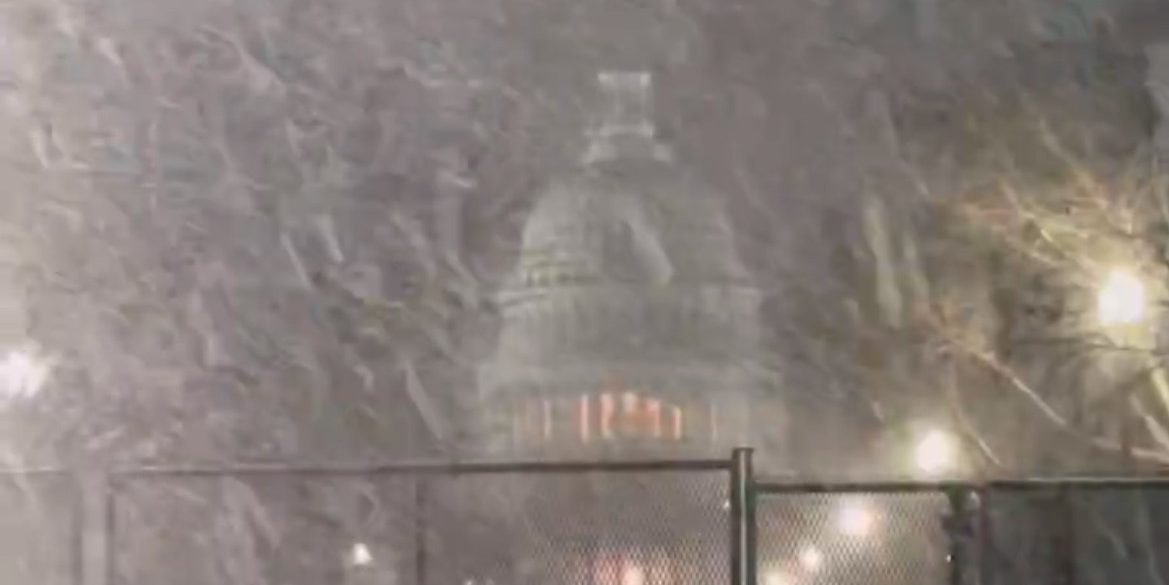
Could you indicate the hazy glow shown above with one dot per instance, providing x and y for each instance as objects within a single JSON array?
[
  {"x": 1121, "y": 300},
  {"x": 937, "y": 452},
  {"x": 855, "y": 518},
  {"x": 811, "y": 559},
  {"x": 360, "y": 555},
  {"x": 22, "y": 374},
  {"x": 777, "y": 577},
  {"x": 633, "y": 575}
]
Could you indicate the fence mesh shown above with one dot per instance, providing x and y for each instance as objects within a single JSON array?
[
  {"x": 39, "y": 529},
  {"x": 1077, "y": 536},
  {"x": 852, "y": 538},
  {"x": 569, "y": 527},
  {"x": 595, "y": 528}
]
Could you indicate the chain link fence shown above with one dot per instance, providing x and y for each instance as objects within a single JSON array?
[
  {"x": 638, "y": 524},
  {"x": 635, "y": 523},
  {"x": 40, "y": 528},
  {"x": 848, "y": 538},
  {"x": 1056, "y": 532},
  {"x": 1086, "y": 533}
]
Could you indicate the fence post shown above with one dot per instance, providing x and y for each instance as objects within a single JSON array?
[
  {"x": 960, "y": 528},
  {"x": 421, "y": 556},
  {"x": 743, "y": 525},
  {"x": 986, "y": 547},
  {"x": 97, "y": 558},
  {"x": 1063, "y": 534}
]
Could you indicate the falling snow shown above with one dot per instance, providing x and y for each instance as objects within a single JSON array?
[{"x": 293, "y": 232}]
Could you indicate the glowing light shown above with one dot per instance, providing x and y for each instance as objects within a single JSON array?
[
  {"x": 360, "y": 555},
  {"x": 937, "y": 452},
  {"x": 633, "y": 575},
  {"x": 811, "y": 559},
  {"x": 22, "y": 374},
  {"x": 1121, "y": 299},
  {"x": 777, "y": 577},
  {"x": 855, "y": 519}
]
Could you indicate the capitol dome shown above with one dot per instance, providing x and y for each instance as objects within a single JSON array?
[
  {"x": 629, "y": 323},
  {"x": 628, "y": 221}
]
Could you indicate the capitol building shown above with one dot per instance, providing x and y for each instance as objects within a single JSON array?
[
  {"x": 629, "y": 330},
  {"x": 630, "y": 327}
]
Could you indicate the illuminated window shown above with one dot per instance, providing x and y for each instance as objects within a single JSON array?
[
  {"x": 630, "y": 415},
  {"x": 654, "y": 409},
  {"x": 517, "y": 426},
  {"x": 586, "y": 431},
  {"x": 546, "y": 419},
  {"x": 643, "y": 417},
  {"x": 607, "y": 415},
  {"x": 614, "y": 413}
]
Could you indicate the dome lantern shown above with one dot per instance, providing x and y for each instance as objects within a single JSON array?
[{"x": 626, "y": 127}]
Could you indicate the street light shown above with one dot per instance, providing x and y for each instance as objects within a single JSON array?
[
  {"x": 1121, "y": 299},
  {"x": 855, "y": 519},
  {"x": 936, "y": 452},
  {"x": 633, "y": 575},
  {"x": 23, "y": 372},
  {"x": 777, "y": 577},
  {"x": 811, "y": 559},
  {"x": 360, "y": 555}
]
